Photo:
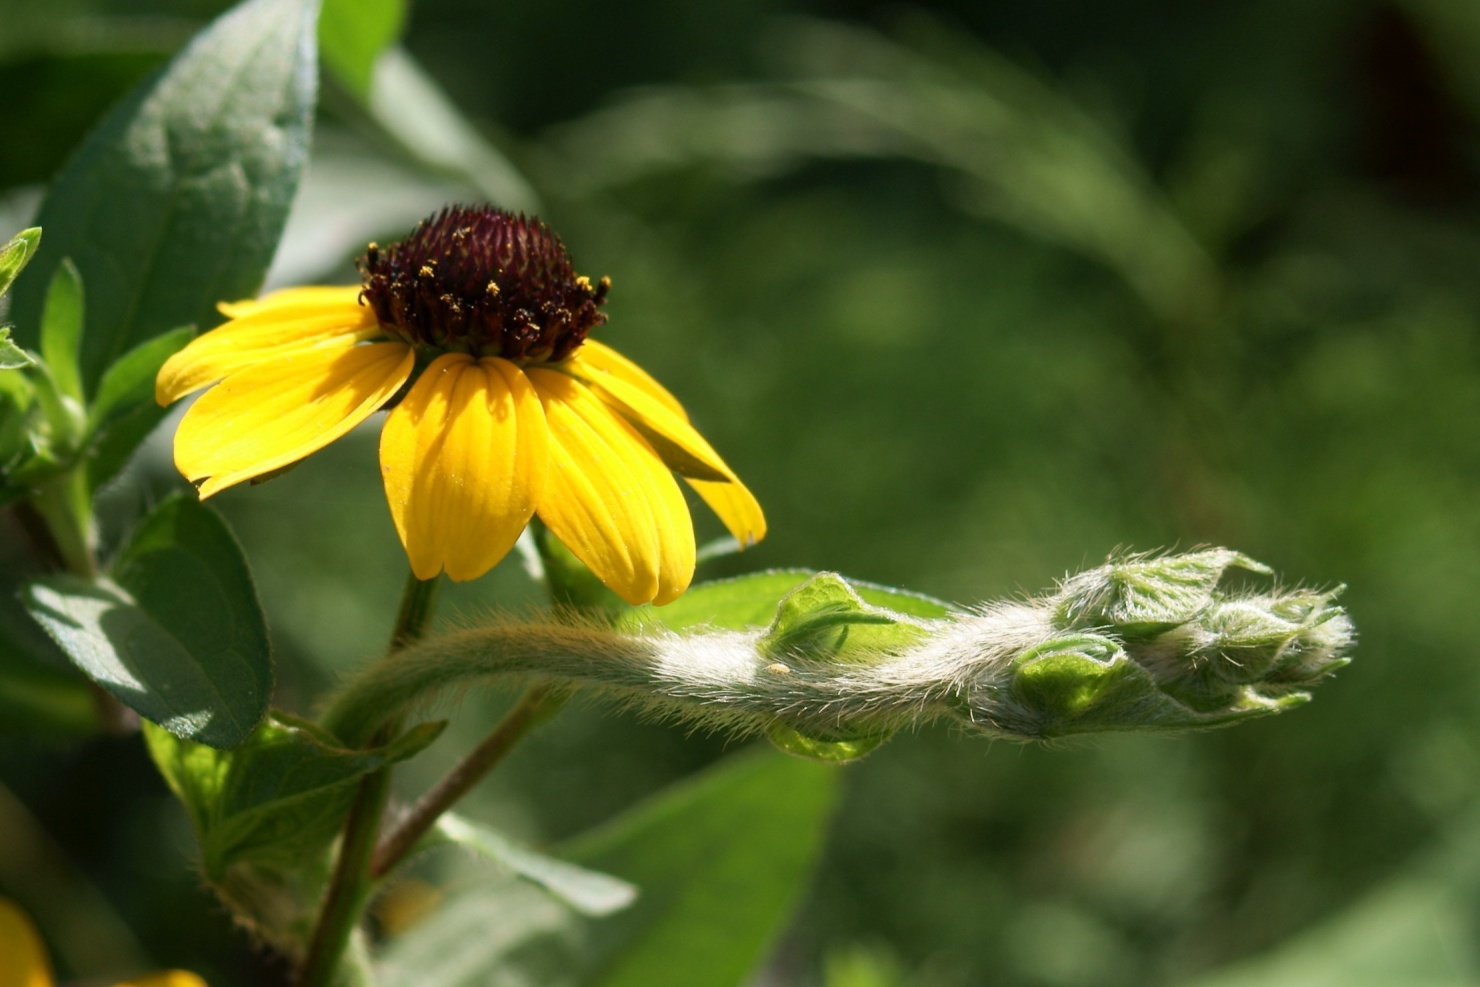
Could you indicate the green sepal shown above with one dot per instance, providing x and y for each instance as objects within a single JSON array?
[
  {"x": 16, "y": 254},
  {"x": 61, "y": 329},
  {"x": 278, "y": 798},
  {"x": 824, "y": 619},
  {"x": 176, "y": 633}
]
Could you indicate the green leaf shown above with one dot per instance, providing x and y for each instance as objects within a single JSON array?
[
  {"x": 751, "y": 601},
  {"x": 124, "y": 411},
  {"x": 353, "y": 33},
  {"x": 12, "y": 357},
  {"x": 16, "y": 253},
  {"x": 280, "y": 797},
  {"x": 177, "y": 634},
  {"x": 586, "y": 891},
  {"x": 61, "y": 328},
  {"x": 720, "y": 861},
  {"x": 176, "y": 201}
]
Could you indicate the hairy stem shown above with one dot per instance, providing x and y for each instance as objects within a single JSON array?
[
  {"x": 721, "y": 678},
  {"x": 1139, "y": 644}
]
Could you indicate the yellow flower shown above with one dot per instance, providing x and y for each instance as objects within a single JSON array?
[
  {"x": 511, "y": 409},
  {"x": 23, "y": 961}
]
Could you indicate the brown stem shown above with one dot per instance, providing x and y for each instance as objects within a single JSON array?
[{"x": 533, "y": 708}]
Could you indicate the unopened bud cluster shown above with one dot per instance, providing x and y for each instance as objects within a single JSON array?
[{"x": 1141, "y": 643}]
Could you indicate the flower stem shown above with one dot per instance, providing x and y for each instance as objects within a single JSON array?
[
  {"x": 350, "y": 886},
  {"x": 535, "y": 707},
  {"x": 418, "y": 602}
]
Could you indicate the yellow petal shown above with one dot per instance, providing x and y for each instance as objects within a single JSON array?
[
  {"x": 23, "y": 961},
  {"x": 330, "y": 296},
  {"x": 278, "y": 412},
  {"x": 464, "y": 457},
  {"x": 683, "y": 449},
  {"x": 676, "y": 441},
  {"x": 599, "y": 356},
  {"x": 168, "y": 978},
  {"x": 610, "y": 499},
  {"x": 265, "y": 333},
  {"x": 736, "y": 506}
]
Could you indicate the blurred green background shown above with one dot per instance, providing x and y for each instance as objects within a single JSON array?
[{"x": 970, "y": 295}]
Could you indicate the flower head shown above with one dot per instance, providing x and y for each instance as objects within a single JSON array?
[{"x": 474, "y": 331}]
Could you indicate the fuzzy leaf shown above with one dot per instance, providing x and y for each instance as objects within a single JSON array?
[{"x": 176, "y": 201}]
